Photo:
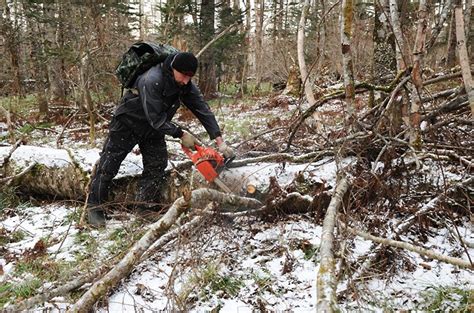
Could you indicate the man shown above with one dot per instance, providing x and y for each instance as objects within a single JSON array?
[{"x": 144, "y": 118}]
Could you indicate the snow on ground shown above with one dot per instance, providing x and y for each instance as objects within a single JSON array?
[
  {"x": 238, "y": 265},
  {"x": 32, "y": 224},
  {"x": 264, "y": 264},
  {"x": 235, "y": 265},
  {"x": 274, "y": 267}
]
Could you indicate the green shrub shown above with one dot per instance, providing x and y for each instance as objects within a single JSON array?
[
  {"x": 447, "y": 299},
  {"x": 8, "y": 198}
]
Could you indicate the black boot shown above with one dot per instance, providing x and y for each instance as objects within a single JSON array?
[{"x": 96, "y": 217}]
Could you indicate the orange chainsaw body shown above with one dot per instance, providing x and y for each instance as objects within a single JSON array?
[{"x": 206, "y": 160}]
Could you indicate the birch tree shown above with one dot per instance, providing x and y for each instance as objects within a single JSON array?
[
  {"x": 463, "y": 55},
  {"x": 305, "y": 77},
  {"x": 467, "y": 18},
  {"x": 259, "y": 13},
  {"x": 326, "y": 283},
  {"x": 445, "y": 13},
  {"x": 451, "y": 47},
  {"x": 384, "y": 62},
  {"x": 418, "y": 51},
  {"x": 346, "y": 20},
  {"x": 400, "y": 45}
]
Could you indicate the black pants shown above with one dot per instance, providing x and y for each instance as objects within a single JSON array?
[{"x": 124, "y": 134}]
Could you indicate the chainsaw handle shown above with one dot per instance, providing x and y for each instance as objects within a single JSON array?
[{"x": 188, "y": 151}]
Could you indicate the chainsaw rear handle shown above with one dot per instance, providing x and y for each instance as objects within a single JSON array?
[
  {"x": 206, "y": 160},
  {"x": 188, "y": 151},
  {"x": 204, "y": 154}
]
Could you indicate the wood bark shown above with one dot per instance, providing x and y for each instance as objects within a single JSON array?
[
  {"x": 305, "y": 77},
  {"x": 415, "y": 136},
  {"x": 347, "y": 16},
  {"x": 8, "y": 119},
  {"x": 463, "y": 56},
  {"x": 54, "y": 172},
  {"x": 401, "y": 47},
  {"x": 451, "y": 46},
  {"x": 439, "y": 25},
  {"x": 196, "y": 199},
  {"x": 384, "y": 61},
  {"x": 207, "y": 68},
  {"x": 64, "y": 174},
  {"x": 259, "y": 37},
  {"x": 56, "y": 69},
  {"x": 325, "y": 281},
  {"x": 470, "y": 35},
  {"x": 467, "y": 18},
  {"x": 86, "y": 94}
]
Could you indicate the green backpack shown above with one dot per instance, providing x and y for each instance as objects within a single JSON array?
[{"x": 139, "y": 58}]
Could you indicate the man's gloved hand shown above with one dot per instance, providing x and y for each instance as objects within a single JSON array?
[
  {"x": 226, "y": 151},
  {"x": 188, "y": 140}
]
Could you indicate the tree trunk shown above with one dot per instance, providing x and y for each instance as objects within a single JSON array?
[
  {"x": 259, "y": 37},
  {"x": 56, "y": 70},
  {"x": 451, "y": 48},
  {"x": 467, "y": 18},
  {"x": 385, "y": 63},
  {"x": 37, "y": 56},
  {"x": 10, "y": 29},
  {"x": 439, "y": 26},
  {"x": 56, "y": 172},
  {"x": 463, "y": 56},
  {"x": 305, "y": 77},
  {"x": 64, "y": 174},
  {"x": 415, "y": 136},
  {"x": 141, "y": 26},
  {"x": 326, "y": 282},
  {"x": 207, "y": 68},
  {"x": 471, "y": 36},
  {"x": 401, "y": 47},
  {"x": 347, "y": 15},
  {"x": 85, "y": 94},
  {"x": 248, "y": 51}
]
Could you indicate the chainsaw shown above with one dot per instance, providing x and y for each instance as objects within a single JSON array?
[{"x": 209, "y": 163}]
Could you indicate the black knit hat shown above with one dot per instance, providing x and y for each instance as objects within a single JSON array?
[{"x": 185, "y": 63}]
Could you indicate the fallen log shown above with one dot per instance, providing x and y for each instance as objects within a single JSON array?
[
  {"x": 52, "y": 171},
  {"x": 326, "y": 282},
  {"x": 65, "y": 174},
  {"x": 195, "y": 198}
]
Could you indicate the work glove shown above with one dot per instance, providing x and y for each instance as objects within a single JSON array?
[
  {"x": 188, "y": 140},
  {"x": 226, "y": 151}
]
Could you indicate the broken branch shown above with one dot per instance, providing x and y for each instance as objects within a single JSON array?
[
  {"x": 155, "y": 231},
  {"x": 412, "y": 248}
]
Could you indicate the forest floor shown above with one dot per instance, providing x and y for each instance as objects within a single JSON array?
[{"x": 263, "y": 261}]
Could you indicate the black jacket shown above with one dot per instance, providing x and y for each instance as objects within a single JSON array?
[{"x": 159, "y": 99}]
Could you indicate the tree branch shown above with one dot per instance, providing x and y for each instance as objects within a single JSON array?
[
  {"x": 155, "y": 231},
  {"x": 412, "y": 248},
  {"x": 326, "y": 283}
]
